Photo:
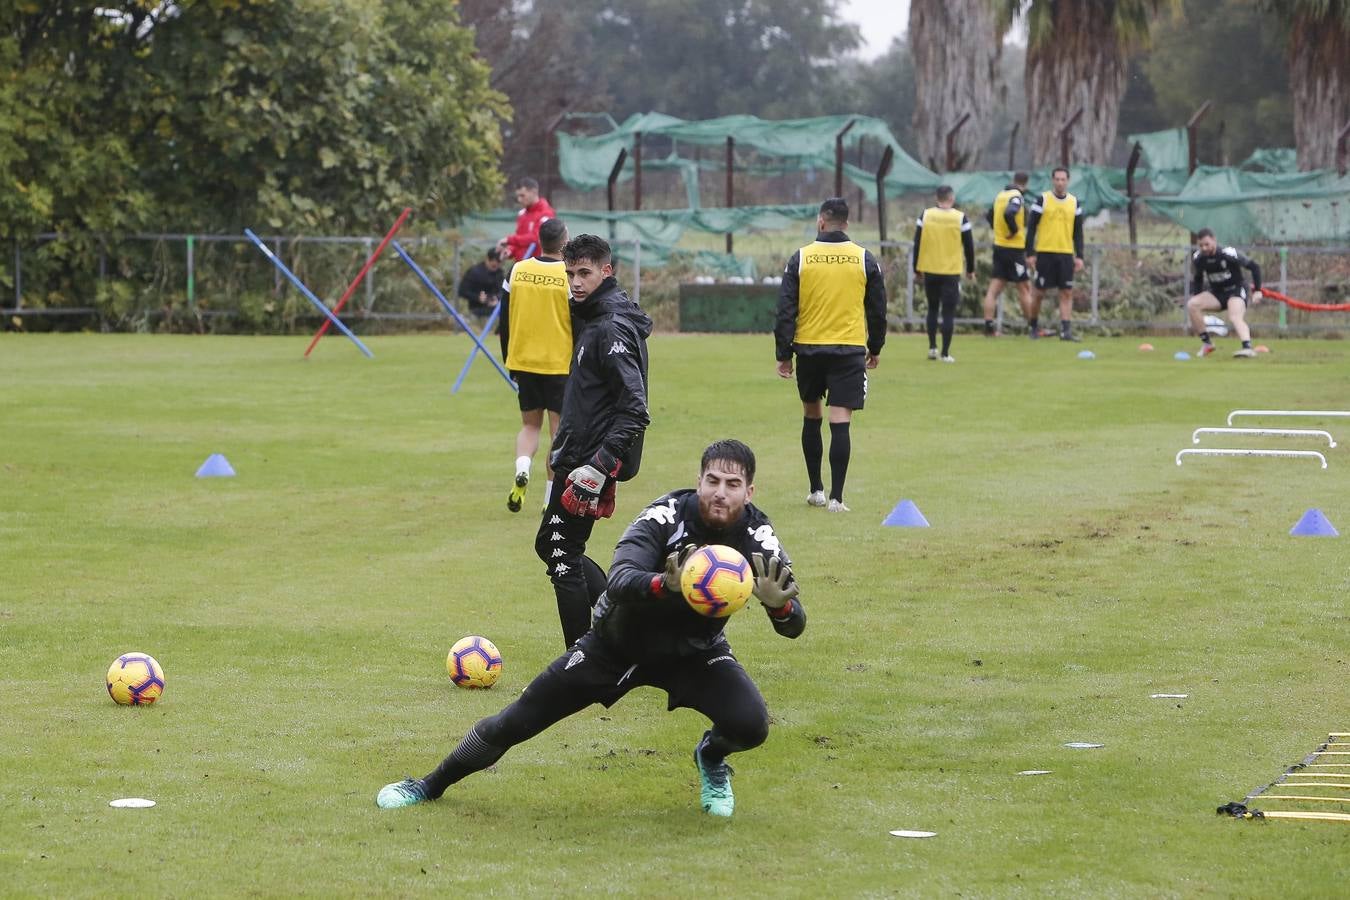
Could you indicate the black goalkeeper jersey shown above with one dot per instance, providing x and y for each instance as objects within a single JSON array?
[
  {"x": 649, "y": 627},
  {"x": 1222, "y": 272}
]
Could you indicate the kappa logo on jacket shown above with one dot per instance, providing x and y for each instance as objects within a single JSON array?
[{"x": 617, "y": 348}]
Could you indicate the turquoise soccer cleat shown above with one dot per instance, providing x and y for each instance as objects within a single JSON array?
[
  {"x": 716, "y": 794},
  {"x": 407, "y": 792}
]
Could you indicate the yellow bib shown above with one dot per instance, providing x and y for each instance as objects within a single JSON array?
[
  {"x": 1001, "y": 237},
  {"x": 540, "y": 338},
  {"x": 1054, "y": 233},
  {"x": 833, "y": 283},
  {"x": 940, "y": 250}
]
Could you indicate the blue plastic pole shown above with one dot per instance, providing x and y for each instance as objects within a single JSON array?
[
  {"x": 309, "y": 295},
  {"x": 487, "y": 329},
  {"x": 454, "y": 313}
]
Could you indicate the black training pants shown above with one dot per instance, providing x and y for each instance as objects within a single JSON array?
[{"x": 577, "y": 580}]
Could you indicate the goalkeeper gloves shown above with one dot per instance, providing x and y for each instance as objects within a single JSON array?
[
  {"x": 587, "y": 493},
  {"x": 774, "y": 586},
  {"x": 670, "y": 578}
]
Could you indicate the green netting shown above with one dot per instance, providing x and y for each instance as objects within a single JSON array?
[
  {"x": 1168, "y": 154},
  {"x": 586, "y": 162},
  {"x": 1272, "y": 159},
  {"x": 1246, "y": 207},
  {"x": 1092, "y": 185}
]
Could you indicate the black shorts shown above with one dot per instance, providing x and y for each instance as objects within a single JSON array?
[
  {"x": 591, "y": 672},
  {"x": 1010, "y": 264},
  {"x": 1054, "y": 270},
  {"x": 540, "y": 391},
  {"x": 841, "y": 378},
  {"x": 1223, "y": 296}
]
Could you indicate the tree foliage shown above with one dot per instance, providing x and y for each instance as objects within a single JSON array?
[
  {"x": 313, "y": 115},
  {"x": 1319, "y": 74}
]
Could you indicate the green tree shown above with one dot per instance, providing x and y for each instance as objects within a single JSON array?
[
  {"x": 1319, "y": 74},
  {"x": 1197, "y": 61},
  {"x": 1077, "y": 55}
]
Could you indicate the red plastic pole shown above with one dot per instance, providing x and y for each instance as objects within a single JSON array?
[{"x": 351, "y": 288}]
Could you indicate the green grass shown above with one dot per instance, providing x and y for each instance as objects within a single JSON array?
[{"x": 303, "y": 609}]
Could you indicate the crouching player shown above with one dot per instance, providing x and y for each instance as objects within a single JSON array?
[
  {"x": 1217, "y": 283},
  {"x": 644, "y": 634}
]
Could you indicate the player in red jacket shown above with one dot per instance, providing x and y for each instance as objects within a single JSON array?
[{"x": 534, "y": 212}]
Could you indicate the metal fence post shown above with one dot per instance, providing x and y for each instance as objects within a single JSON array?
[
  {"x": 909, "y": 288},
  {"x": 191, "y": 277},
  {"x": 1096, "y": 283},
  {"x": 1185, "y": 274},
  {"x": 370, "y": 278},
  {"x": 276, "y": 274},
  {"x": 18, "y": 276},
  {"x": 1284, "y": 287}
]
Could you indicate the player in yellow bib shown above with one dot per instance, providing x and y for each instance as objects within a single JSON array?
[
  {"x": 536, "y": 335},
  {"x": 1055, "y": 250},
  {"x": 1007, "y": 217},
  {"x": 942, "y": 238},
  {"x": 832, "y": 315}
]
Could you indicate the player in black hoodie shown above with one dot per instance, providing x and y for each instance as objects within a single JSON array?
[
  {"x": 599, "y": 437},
  {"x": 646, "y": 634}
]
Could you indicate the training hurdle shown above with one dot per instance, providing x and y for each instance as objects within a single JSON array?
[
  {"x": 1274, "y": 432},
  {"x": 1312, "y": 413},
  {"x": 1301, "y": 770},
  {"x": 1293, "y": 454},
  {"x": 308, "y": 294},
  {"x": 454, "y": 314}
]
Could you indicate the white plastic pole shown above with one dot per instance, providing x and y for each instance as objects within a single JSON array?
[
  {"x": 1318, "y": 413},
  {"x": 1291, "y": 454},
  {"x": 1273, "y": 432}
]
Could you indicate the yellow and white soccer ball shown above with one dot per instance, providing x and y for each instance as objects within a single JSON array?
[
  {"x": 716, "y": 581},
  {"x": 135, "y": 679},
  {"x": 474, "y": 662}
]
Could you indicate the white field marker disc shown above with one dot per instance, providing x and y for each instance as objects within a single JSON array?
[
  {"x": 914, "y": 834},
  {"x": 1082, "y": 745},
  {"x": 132, "y": 803},
  {"x": 1035, "y": 772}
]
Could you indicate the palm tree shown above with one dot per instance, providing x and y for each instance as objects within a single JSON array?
[
  {"x": 1319, "y": 74},
  {"x": 1077, "y": 58},
  {"x": 956, "y": 46}
]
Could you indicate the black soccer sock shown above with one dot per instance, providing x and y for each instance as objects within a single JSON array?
[
  {"x": 1063, "y": 326},
  {"x": 1033, "y": 325},
  {"x": 841, "y": 447},
  {"x": 813, "y": 449},
  {"x": 1204, "y": 337},
  {"x": 1246, "y": 345},
  {"x": 472, "y": 755},
  {"x": 988, "y": 326}
]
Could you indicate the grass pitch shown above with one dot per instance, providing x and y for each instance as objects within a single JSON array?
[{"x": 302, "y": 612}]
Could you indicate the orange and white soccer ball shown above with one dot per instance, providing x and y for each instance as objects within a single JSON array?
[{"x": 474, "y": 662}]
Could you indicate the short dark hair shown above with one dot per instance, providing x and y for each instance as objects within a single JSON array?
[
  {"x": 1064, "y": 169},
  {"x": 944, "y": 192},
  {"x": 494, "y": 254},
  {"x": 551, "y": 235},
  {"x": 732, "y": 451},
  {"x": 1021, "y": 178},
  {"x": 1204, "y": 233},
  {"x": 590, "y": 247},
  {"x": 527, "y": 183},
  {"x": 835, "y": 209}
]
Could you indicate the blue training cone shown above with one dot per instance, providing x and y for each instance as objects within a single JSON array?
[
  {"x": 1314, "y": 524},
  {"x": 906, "y": 515},
  {"x": 216, "y": 466}
]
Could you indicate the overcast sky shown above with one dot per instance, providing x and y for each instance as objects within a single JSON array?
[{"x": 880, "y": 20}]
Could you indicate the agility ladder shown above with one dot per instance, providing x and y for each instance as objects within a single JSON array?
[{"x": 1317, "y": 775}]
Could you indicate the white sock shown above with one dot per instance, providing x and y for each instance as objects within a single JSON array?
[
  {"x": 523, "y": 464},
  {"x": 548, "y": 492}
]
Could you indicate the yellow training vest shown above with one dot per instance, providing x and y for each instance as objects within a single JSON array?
[
  {"x": 1054, "y": 233},
  {"x": 832, "y": 285},
  {"x": 940, "y": 249},
  {"x": 540, "y": 326},
  {"x": 1001, "y": 237}
]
